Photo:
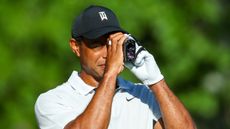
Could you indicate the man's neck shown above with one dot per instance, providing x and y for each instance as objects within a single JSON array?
[{"x": 90, "y": 80}]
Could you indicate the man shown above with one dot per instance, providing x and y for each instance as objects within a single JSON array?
[{"x": 96, "y": 98}]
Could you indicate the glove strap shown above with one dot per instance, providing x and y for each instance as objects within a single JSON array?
[{"x": 138, "y": 51}]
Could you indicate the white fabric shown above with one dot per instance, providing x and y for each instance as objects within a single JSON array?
[{"x": 134, "y": 106}]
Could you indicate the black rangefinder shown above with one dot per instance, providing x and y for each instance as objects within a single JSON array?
[{"x": 129, "y": 49}]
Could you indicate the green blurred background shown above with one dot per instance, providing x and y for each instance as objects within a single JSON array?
[{"x": 189, "y": 39}]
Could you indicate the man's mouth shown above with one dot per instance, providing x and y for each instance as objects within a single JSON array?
[{"x": 102, "y": 66}]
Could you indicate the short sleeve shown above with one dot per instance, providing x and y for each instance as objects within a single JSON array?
[
  {"x": 148, "y": 97},
  {"x": 53, "y": 113},
  {"x": 154, "y": 106}
]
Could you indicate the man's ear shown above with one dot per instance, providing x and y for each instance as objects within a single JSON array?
[{"x": 75, "y": 46}]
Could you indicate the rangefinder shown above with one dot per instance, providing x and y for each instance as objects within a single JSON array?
[{"x": 129, "y": 49}]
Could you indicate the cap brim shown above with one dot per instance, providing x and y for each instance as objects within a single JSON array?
[{"x": 101, "y": 31}]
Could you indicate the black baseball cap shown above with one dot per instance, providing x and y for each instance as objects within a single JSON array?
[{"x": 95, "y": 21}]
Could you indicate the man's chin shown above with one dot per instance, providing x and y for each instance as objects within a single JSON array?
[{"x": 100, "y": 75}]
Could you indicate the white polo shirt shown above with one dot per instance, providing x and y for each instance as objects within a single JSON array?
[{"x": 134, "y": 105}]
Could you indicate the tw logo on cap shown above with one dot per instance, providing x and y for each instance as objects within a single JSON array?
[{"x": 103, "y": 16}]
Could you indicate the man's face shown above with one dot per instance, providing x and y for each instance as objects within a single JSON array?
[{"x": 93, "y": 54}]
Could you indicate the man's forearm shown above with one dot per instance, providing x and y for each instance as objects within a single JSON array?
[
  {"x": 97, "y": 114},
  {"x": 174, "y": 114}
]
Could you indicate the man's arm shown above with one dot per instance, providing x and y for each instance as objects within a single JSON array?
[
  {"x": 174, "y": 114},
  {"x": 97, "y": 113}
]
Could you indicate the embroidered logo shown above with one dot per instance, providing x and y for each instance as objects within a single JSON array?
[
  {"x": 103, "y": 16},
  {"x": 129, "y": 99}
]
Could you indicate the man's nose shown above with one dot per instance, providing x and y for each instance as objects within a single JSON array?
[{"x": 105, "y": 51}]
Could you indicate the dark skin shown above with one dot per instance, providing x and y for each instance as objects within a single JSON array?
[{"x": 100, "y": 66}]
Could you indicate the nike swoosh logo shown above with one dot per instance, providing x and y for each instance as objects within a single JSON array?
[{"x": 129, "y": 99}]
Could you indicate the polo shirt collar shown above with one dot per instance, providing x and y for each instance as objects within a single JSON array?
[{"x": 79, "y": 85}]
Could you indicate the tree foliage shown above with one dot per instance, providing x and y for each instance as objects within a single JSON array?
[{"x": 189, "y": 39}]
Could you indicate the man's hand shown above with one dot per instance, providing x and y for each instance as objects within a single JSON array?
[
  {"x": 145, "y": 67},
  {"x": 114, "y": 61}
]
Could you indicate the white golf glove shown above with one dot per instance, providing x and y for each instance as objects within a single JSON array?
[{"x": 145, "y": 67}]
